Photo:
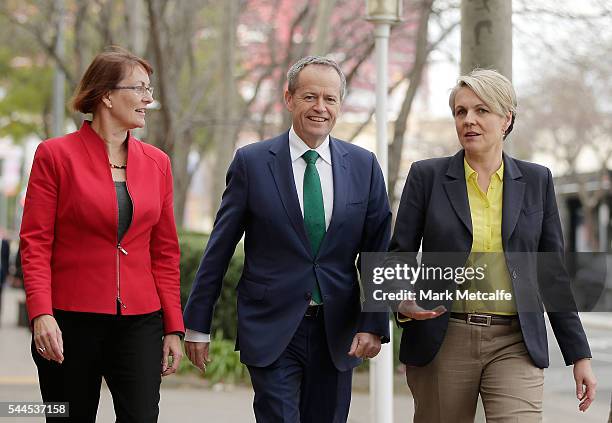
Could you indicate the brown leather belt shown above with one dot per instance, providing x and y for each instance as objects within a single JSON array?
[{"x": 484, "y": 319}]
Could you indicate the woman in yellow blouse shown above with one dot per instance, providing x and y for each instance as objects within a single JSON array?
[{"x": 487, "y": 206}]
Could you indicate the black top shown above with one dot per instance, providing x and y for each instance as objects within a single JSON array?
[{"x": 124, "y": 203}]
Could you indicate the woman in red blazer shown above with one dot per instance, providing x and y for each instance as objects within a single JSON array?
[{"x": 100, "y": 252}]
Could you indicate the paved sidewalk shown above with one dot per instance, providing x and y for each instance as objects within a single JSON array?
[
  {"x": 597, "y": 320},
  {"x": 182, "y": 401}
]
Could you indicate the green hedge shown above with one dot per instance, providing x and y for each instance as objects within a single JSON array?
[
  {"x": 192, "y": 247},
  {"x": 225, "y": 365}
]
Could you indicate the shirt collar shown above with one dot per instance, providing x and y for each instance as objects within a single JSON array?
[
  {"x": 500, "y": 171},
  {"x": 469, "y": 171},
  {"x": 297, "y": 147}
]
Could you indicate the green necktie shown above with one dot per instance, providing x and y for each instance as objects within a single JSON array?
[{"x": 314, "y": 212}]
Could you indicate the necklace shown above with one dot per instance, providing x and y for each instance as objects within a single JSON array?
[{"x": 114, "y": 166}]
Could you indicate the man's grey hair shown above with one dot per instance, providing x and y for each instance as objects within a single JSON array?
[{"x": 294, "y": 71}]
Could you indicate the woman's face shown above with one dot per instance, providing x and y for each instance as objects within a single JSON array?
[
  {"x": 129, "y": 103},
  {"x": 479, "y": 130}
]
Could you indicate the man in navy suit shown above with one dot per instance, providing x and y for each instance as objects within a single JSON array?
[{"x": 308, "y": 206}]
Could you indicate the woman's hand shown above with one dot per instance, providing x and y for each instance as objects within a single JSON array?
[
  {"x": 172, "y": 347},
  {"x": 48, "y": 338},
  {"x": 584, "y": 377},
  {"x": 410, "y": 308}
]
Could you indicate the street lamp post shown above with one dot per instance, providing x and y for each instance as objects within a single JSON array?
[{"x": 383, "y": 14}]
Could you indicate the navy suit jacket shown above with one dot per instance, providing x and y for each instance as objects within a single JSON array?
[
  {"x": 434, "y": 209},
  {"x": 261, "y": 202}
]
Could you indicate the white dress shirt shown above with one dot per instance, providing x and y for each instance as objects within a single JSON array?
[{"x": 297, "y": 148}]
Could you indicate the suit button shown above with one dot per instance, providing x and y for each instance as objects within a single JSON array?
[
  {"x": 514, "y": 275},
  {"x": 308, "y": 296},
  {"x": 316, "y": 265}
]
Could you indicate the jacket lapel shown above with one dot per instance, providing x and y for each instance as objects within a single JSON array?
[
  {"x": 340, "y": 171},
  {"x": 98, "y": 174},
  {"x": 282, "y": 172},
  {"x": 456, "y": 190},
  {"x": 514, "y": 189}
]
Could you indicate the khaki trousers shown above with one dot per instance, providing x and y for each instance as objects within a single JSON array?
[{"x": 488, "y": 360}]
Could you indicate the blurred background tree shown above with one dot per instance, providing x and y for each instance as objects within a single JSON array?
[{"x": 219, "y": 66}]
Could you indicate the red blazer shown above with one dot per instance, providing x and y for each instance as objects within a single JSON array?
[{"x": 69, "y": 250}]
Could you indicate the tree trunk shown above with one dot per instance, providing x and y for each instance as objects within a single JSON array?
[
  {"x": 165, "y": 131},
  {"x": 225, "y": 130},
  {"x": 182, "y": 176},
  {"x": 486, "y": 35},
  {"x": 399, "y": 130},
  {"x": 135, "y": 19},
  {"x": 322, "y": 25}
]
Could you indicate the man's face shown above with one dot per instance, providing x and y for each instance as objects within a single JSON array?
[{"x": 315, "y": 104}]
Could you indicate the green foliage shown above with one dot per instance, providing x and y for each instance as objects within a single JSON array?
[
  {"x": 225, "y": 365},
  {"x": 192, "y": 246},
  {"x": 26, "y": 92},
  {"x": 186, "y": 367}
]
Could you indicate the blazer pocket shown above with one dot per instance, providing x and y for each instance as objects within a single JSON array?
[
  {"x": 532, "y": 210},
  {"x": 362, "y": 204},
  {"x": 252, "y": 290}
]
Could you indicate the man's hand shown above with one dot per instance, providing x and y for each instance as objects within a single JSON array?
[
  {"x": 48, "y": 338},
  {"x": 197, "y": 352},
  {"x": 411, "y": 309},
  {"x": 172, "y": 348},
  {"x": 365, "y": 345},
  {"x": 584, "y": 377}
]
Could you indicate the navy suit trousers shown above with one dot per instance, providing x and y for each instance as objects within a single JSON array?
[{"x": 302, "y": 385}]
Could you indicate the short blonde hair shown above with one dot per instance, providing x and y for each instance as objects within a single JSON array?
[{"x": 493, "y": 88}]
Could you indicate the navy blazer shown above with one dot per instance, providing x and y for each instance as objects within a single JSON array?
[
  {"x": 261, "y": 202},
  {"x": 434, "y": 209}
]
